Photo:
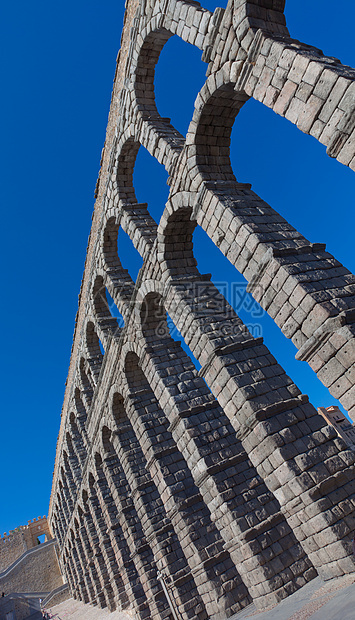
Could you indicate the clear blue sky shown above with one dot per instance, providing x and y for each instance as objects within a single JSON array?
[{"x": 58, "y": 63}]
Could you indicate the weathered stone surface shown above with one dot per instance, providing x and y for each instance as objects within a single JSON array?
[{"x": 203, "y": 491}]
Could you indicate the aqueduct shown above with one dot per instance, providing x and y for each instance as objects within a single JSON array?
[{"x": 188, "y": 492}]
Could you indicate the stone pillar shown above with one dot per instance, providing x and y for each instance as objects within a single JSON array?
[
  {"x": 83, "y": 562},
  {"x": 86, "y": 385},
  {"x": 63, "y": 506},
  {"x": 72, "y": 570},
  {"x": 95, "y": 556},
  {"x": 308, "y": 293},
  {"x": 154, "y": 605},
  {"x": 74, "y": 461},
  {"x": 126, "y": 577},
  {"x": 247, "y": 515},
  {"x": 102, "y": 548},
  {"x": 113, "y": 583},
  {"x": 78, "y": 438},
  {"x": 121, "y": 540},
  {"x": 71, "y": 481},
  {"x": 168, "y": 555},
  {"x": 295, "y": 453},
  {"x": 57, "y": 527},
  {"x": 80, "y": 583},
  {"x": 71, "y": 576},
  {"x": 93, "y": 584}
]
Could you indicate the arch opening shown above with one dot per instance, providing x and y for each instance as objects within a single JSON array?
[
  {"x": 109, "y": 318},
  {"x": 158, "y": 325},
  {"x": 302, "y": 187},
  {"x": 87, "y": 386},
  {"x": 213, "y": 133},
  {"x": 212, "y": 5},
  {"x": 179, "y": 76},
  {"x": 115, "y": 313},
  {"x": 79, "y": 405},
  {"x": 95, "y": 350},
  {"x": 233, "y": 287},
  {"x": 129, "y": 255},
  {"x": 124, "y": 172},
  {"x": 150, "y": 182}
]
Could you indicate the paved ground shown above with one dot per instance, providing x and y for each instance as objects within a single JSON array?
[
  {"x": 318, "y": 600},
  {"x": 74, "y": 610}
]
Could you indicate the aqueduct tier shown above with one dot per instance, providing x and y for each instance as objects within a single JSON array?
[{"x": 201, "y": 491}]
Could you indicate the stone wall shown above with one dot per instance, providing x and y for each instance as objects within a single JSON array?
[
  {"x": 37, "y": 571},
  {"x": 222, "y": 486},
  {"x": 21, "y": 608},
  {"x": 14, "y": 544},
  {"x": 59, "y": 595},
  {"x": 34, "y": 529}
]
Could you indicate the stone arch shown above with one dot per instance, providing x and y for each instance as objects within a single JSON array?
[
  {"x": 158, "y": 136},
  {"x": 134, "y": 451},
  {"x": 150, "y": 424},
  {"x": 94, "y": 350},
  {"x": 92, "y": 341},
  {"x": 65, "y": 475},
  {"x": 195, "y": 457},
  {"x": 73, "y": 455},
  {"x": 71, "y": 568},
  {"x": 58, "y": 529},
  {"x": 97, "y": 460},
  {"x": 61, "y": 510},
  {"x": 73, "y": 558},
  {"x": 133, "y": 217},
  {"x": 134, "y": 346},
  {"x": 79, "y": 405},
  {"x": 108, "y": 469},
  {"x": 148, "y": 57},
  {"x": 118, "y": 409},
  {"x": 86, "y": 579},
  {"x": 211, "y": 127},
  {"x": 149, "y": 293},
  {"x": 106, "y": 515},
  {"x": 118, "y": 281},
  {"x": 64, "y": 500},
  {"x": 120, "y": 481},
  {"x": 255, "y": 239},
  {"x": 85, "y": 497},
  {"x": 175, "y": 241},
  {"x": 87, "y": 386},
  {"x": 77, "y": 438},
  {"x": 70, "y": 445},
  {"x": 153, "y": 317},
  {"x": 123, "y": 169},
  {"x": 104, "y": 593},
  {"x": 280, "y": 89},
  {"x": 71, "y": 477},
  {"x": 111, "y": 259},
  {"x": 106, "y": 323},
  {"x": 106, "y": 435},
  {"x": 91, "y": 481}
]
